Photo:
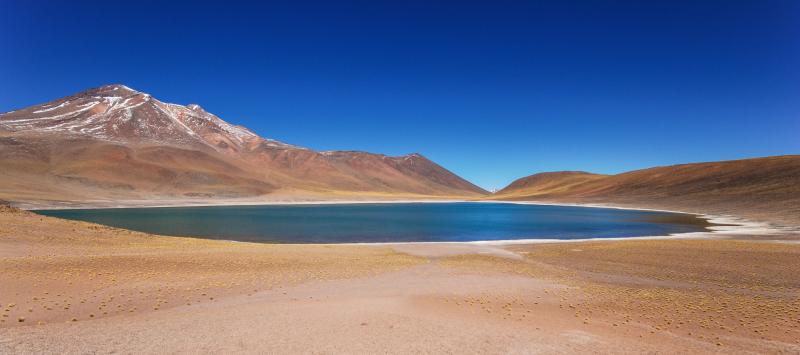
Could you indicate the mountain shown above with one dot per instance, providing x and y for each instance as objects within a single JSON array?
[
  {"x": 114, "y": 142},
  {"x": 760, "y": 188}
]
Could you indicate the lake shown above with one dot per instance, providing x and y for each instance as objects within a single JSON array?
[{"x": 389, "y": 222}]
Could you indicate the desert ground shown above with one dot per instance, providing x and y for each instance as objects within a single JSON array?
[{"x": 74, "y": 287}]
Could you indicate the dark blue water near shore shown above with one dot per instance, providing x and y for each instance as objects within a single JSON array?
[{"x": 396, "y": 222}]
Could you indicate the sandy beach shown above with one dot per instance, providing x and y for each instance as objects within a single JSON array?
[{"x": 75, "y": 287}]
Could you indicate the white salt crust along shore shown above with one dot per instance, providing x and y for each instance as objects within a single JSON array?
[
  {"x": 722, "y": 225},
  {"x": 730, "y": 226}
]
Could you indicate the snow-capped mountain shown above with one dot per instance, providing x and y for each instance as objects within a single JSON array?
[
  {"x": 117, "y": 113},
  {"x": 116, "y": 142}
]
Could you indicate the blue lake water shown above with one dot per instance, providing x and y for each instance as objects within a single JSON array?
[{"x": 396, "y": 222}]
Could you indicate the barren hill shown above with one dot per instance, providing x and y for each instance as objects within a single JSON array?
[
  {"x": 114, "y": 142},
  {"x": 549, "y": 182},
  {"x": 760, "y": 188}
]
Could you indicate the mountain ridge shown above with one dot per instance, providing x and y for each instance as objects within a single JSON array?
[{"x": 99, "y": 139}]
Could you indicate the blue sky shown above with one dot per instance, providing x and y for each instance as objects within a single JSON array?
[{"x": 492, "y": 90}]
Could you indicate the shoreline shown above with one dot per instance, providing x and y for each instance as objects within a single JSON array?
[
  {"x": 228, "y": 203},
  {"x": 719, "y": 225}
]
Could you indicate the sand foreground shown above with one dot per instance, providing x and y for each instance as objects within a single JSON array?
[{"x": 74, "y": 287}]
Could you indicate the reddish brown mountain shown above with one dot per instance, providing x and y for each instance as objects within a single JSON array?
[
  {"x": 113, "y": 142},
  {"x": 761, "y": 188}
]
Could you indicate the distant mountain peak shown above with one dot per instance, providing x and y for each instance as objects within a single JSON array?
[
  {"x": 118, "y": 113},
  {"x": 195, "y": 107},
  {"x": 115, "y": 90},
  {"x": 115, "y": 87}
]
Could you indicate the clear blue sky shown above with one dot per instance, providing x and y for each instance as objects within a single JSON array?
[{"x": 492, "y": 90}]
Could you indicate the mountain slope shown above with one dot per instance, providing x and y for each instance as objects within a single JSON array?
[
  {"x": 762, "y": 188},
  {"x": 114, "y": 142},
  {"x": 120, "y": 114},
  {"x": 549, "y": 183}
]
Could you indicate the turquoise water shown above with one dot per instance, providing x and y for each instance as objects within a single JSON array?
[{"x": 396, "y": 222}]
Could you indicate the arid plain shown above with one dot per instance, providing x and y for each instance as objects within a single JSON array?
[{"x": 75, "y": 287}]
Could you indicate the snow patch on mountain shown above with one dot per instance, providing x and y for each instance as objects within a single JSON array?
[
  {"x": 121, "y": 114},
  {"x": 48, "y": 109}
]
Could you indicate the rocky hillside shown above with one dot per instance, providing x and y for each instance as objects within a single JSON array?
[{"x": 114, "y": 142}]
